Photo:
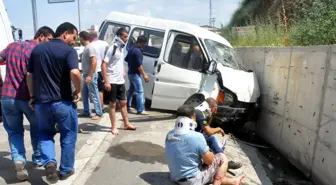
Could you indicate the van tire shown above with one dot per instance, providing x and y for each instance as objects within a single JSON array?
[{"x": 195, "y": 100}]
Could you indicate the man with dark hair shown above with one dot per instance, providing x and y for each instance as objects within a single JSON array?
[
  {"x": 52, "y": 68},
  {"x": 15, "y": 99},
  {"x": 101, "y": 48},
  {"x": 189, "y": 159},
  {"x": 204, "y": 115},
  {"x": 135, "y": 70},
  {"x": 90, "y": 77},
  {"x": 114, "y": 82}
]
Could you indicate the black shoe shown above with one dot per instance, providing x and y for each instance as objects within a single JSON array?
[
  {"x": 67, "y": 175},
  {"x": 51, "y": 170},
  {"x": 234, "y": 165}
]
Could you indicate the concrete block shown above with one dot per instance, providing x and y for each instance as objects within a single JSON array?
[
  {"x": 240, "y": 54},
  {"x": 333, "y": 58},
  {"x": 329, "y": 107},
  {"x": 332, "y": 79},
  {"x": 305, "y": 87},
  {"x": 297, "y": 143},
  {"x": 269, "y": 126},
  {"x": 255, "y": 60},
  {"x": 324, "y": 165},
  {"x": 274, "y": 83},
  {"x": 327, "y": 134}
]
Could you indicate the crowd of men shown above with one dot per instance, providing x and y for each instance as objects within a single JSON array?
[{"x": 43, "y": 83}]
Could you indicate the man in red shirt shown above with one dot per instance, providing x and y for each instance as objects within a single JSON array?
[{"x": 15, "y": 100}]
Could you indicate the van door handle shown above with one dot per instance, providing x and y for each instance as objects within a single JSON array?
[
  {"x": 155, "y": 63},
  {"x": 159, "y": 68}
]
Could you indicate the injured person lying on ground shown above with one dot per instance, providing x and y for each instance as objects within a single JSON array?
[{"x": 189, "y": 159}]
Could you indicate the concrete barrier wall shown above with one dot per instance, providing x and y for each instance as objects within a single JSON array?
[{"x": 298, "y": 87}]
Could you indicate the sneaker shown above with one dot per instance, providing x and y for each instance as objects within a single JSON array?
[
  {"x": 51, "y": 170},
  {"x": 234, "y": 165},
  {"x": 132, "y": 111},
  {"x": 143, "y": 113},
  {"x": 21, "y": 172},
  {"x": 67, "y": 175}
]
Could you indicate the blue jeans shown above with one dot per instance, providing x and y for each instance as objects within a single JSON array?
[
  {"x": 65, "y": 115},
  {"x": 135, "y": 87},
  {"x": 214, "y": 144},
  {"x": 90, "y": 91},
  {"x": 12, "y": 114}
]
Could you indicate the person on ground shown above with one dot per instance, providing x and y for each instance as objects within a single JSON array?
[
  {"x": 114, "y": 82},
  {"x": 15, "y": 100},
  {"x": 90, "y": 77},
  {"x": 101, "y": 48},
  {"x": 135, "y": 71},
  {"x": 204, "y": 116},
  {"x": 189, "y": 159},
  {"x": 52, "y": 68}
]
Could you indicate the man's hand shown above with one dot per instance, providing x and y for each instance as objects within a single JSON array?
[
  {"x": 107, "y": 86},
  {"x": 88, "y": 80},
  {"x": 221, "y": 131},
  {"x": 76, "y": 97},
  {"x": 146, "y": 78},
  {"x": 32, "y": 103}
]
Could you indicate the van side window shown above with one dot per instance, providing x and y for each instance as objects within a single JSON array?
[
  {"x": 184, "y": 51},
  {"x": 109, "y": 30},
  {"x": 154, "y": 41}
]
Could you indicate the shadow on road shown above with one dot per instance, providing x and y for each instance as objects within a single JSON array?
[
  {"x": 151, "y": 118},
  {"x": 141, "y": 151},
  {"x": 7, "y": 171},
  {"x": 155, "y": 178}
]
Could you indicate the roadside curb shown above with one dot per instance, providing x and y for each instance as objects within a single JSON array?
[{"x": 89, "y": 156}]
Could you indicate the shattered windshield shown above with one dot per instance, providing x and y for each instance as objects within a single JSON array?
[{"x": 223, "y": 54}]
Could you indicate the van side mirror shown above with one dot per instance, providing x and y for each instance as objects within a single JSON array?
[{"x": 212, "y": 67}]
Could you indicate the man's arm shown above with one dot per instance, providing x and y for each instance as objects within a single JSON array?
[
  {"x": 93, "y": 58},
  {"x": 138, "y": 59},
  {"x": 72, "y": 63},
  {"x": 3, "y": 55},
  {"x": 203, "y": 122},
  {"x": 204, "y": 151},
  {"x": 211, "y": 131}
]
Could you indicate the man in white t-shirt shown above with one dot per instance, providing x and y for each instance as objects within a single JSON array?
[
  {"x": 101, "y": 48},
  {"x": 114, "y": 82}
]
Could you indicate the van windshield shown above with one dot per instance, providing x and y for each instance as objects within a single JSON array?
[{"x": 223, "y": 54}]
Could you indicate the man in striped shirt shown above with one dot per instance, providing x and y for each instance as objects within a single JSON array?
[{"x": 15, "y": 100}]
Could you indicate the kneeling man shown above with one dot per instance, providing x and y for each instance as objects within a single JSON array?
[{"x": 189, "y": 160}]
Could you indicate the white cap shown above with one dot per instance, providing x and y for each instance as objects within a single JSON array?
[
  {"x": 204, "y": 107},
  {"x": 183, "y": 125}
]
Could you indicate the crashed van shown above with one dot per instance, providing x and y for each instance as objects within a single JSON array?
[{"x": 186, "y": 64}]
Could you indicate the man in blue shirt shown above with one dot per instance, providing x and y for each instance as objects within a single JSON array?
[
  {"x": 189, "y": 160},
  {"x": 52, "y": 68},
  {"x": 135, "y": 70}
]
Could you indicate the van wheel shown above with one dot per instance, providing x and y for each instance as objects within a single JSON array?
[{"x": 195, "y": 100}]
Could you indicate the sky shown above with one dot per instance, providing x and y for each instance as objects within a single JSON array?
[{"x": 93, "y": 12}]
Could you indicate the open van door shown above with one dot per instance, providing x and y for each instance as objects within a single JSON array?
[
  {"x": 177, "y": 76},
  {"x": 6, "y": 35}
]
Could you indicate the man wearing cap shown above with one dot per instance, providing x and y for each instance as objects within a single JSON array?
[{"x": 185, "y": 151}]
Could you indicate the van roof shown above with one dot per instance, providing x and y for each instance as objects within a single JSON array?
[{"x": 164, "y": 24}]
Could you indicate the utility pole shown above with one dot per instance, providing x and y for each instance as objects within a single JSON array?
[
  {"x": 211, "y": 19},
  {"x": 79, "y": 18},
  {"x": 34, "y": 15},
  {"x": 210, "y": 12}
]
